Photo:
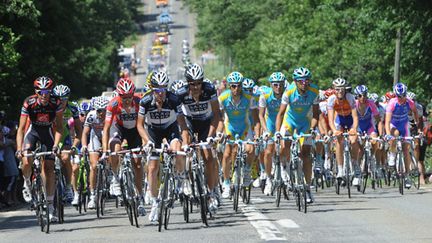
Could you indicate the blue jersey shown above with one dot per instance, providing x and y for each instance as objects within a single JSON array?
[
  {"x": 297, "y": 113},
  {"x": 272, "y": 105},
  {"x": 236, "y": 114}
]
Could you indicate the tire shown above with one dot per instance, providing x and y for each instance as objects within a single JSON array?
[
  {"x": 303, "y": 200},
  {"x": 133, "y": 206},
  {"x": 203, "y": 200},
  {"x": 59, "y": 202},
  {"x": 132, "y": 201},
  {"x": 99, "y": 192},
  {"x": 186, "y": 208},
  {"x": 162, "y": 205},
  {"x": 365, "y": 174},
  {"x": 278, "y": 195}
]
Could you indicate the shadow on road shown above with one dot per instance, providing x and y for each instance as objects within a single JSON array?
[{"x": 18, "y": 222}]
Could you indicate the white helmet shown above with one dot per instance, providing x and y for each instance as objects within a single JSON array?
[
  {"x": 177, "y": 84},
  {"x": 159, "y": 79},
  {"x": 340, "y": 83},
  {"x": 194, "y": 72},
  {"x": 100, "y": 102},
  {"x": 411, "y": 95}
]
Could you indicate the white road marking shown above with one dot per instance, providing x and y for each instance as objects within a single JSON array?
[
  {"x": 287, "y": 223},
  {"x": 265, "y": 228}
]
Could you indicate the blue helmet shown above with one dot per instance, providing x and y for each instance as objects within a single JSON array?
[
  {"x": 301, "y": 73},
  {"x": 84, "y": 107},
  {"x": 277, "y": 77},
  {"x": 235, "y": 77},
  {"x": 400, "y": 89},
  {"x": 248, "y": 83},
  {"x": 361, "y": 90}
]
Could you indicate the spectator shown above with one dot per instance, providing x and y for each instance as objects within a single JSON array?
[{"x": 9, "y": 170}]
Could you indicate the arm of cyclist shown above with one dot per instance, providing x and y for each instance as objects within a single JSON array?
[
  {"x": 184, "y": 130},
  {"x": 331, "y": 118},
  {"x": 78, "y": 132},
  {"x": 353, "y": 130},
  {"x": 280, "y": 116},
  {"x": 261, "y": 113},
  {"x": 216, "y": 118},
  {"x": 106, "y": 130},
  {"x": 58, "y": 128},
  {"x": 315, "y": 115},
  {"x": 256, "y": 126},
  {"x": 20, "y": 134},
  {"x": 85, "y": 133}
]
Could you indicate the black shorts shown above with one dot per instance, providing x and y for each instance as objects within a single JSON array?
[
  {"x": 200, "y": 127},
  {"x": 118, "y": 133},
  {"x": 42, "y": 134},
  {"x": 158, "y": 134},
  {"x": 422, "y": 154}
]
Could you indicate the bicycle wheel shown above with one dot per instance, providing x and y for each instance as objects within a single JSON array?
[
  {"x": 99, "y": 193},
  {"x": 45, "y": 226},
  {"x": 59, "y": 203},
  {"x": 278, "y": 195},
  {"x": 365, "y": 174},
  {"x": 185, "y": 204},
  {"x": 132, "y": 198},
  {"x": 80, "y": 194},
  {"x": 163, "y": 193},
  {"x": 400, "y": 173},
  {"x": 123, "y": 189},
  {"x": 202, "y": 199},
  {"x": 303, "y": 202},
  {"x": 133, "y": 205},
  {"x": 347, "y": 176},
  {"x": 414, "y": 172}
]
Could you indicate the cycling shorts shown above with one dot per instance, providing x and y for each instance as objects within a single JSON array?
[
  {"x": 369, "y": 128},
  {"x": 402, "y": 127},
  {"x": 42, "y": 134},
  {"x": 201, "y": 127},
  {"x": 343, "y": 122},
  {"x": 301, "y": 127},
  {"x": 170, "y": 133},
  {"x": 118, "y": 133},
  {"x": 95, "y": 142}
]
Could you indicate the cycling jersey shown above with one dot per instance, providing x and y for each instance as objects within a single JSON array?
[
  {"x": 412, "y": 124},
  {"x": 272, "y": 105},
  {"x": 298, "y": 108},
  {"x": 236, "y": 114},
  {"x": 323, "y": 110},
  {"x": 202, "y": 109},
  {"x": 70, "y": 111},
  {"x": 343, "y": 116},
  {"x": 399, "y": 119},
  {"x": 96, "y": 127},
  {"x": 38, "y": 114},
  {"x": 171, "y": 108},
  {"x": 41, "y": 118},
  {"x": 366, "y": 120},
  {"x": 115, "y": 112}
]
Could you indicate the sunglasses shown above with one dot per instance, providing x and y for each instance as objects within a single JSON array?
[
  {"x": 360, "y": 96},
  {"x": 64, "y": 98},
  {"x": 277, "y": 84},
  {"x": 235, "y": 86},
  {"x": 43, "y": 91},
  {"x": 100, "y": 110},
  {"x": 195, "y": 83},
  {"x": 401, "y": 96},
  {"x": 303, "y": 81},
  {"x": 248, "y": 90},
  {"x": 339, "y": 90},
  {"x": 126, "y": 96},
  {"x": 83, "y": 114},
  {"x": 159, "y": 90}
]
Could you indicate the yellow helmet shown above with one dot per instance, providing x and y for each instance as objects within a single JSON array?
[{"x": 148, "y": 79}]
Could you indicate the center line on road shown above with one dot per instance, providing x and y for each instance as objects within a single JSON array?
[{"x": 266, "y": 229}]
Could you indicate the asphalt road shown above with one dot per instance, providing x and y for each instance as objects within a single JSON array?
[{"x": 378, "y": 216}]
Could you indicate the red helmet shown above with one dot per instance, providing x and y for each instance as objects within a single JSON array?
[
  {"x": 43, "y": 83},
  {"x": 329, "y": 92},
  {"x": 125, "y": 86},
  {"x": 390, "y": 95}
]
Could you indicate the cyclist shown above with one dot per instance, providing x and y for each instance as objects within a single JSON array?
[
  {"x": 419, "y": 151},
  {"x": 380, "y": 154},
  {"x": 202, "y": 113},
  {"x": 324, "y": 128},
  {"x": 120, "y": 124},
  {"x": 269, "y": 104},
  {"x": 396, "y": 124},
  {"x": 342, "y": 113},
  {"x": 298, "y": 100},
  {"x": 84, "y": 108},
  {"x": 367, "y": 115},
  {"x": 160, "y": 112},
  {"x": 41, "y": 109},
  {"x": 91, "y": 140},
  {"x": 70, "y": 141},
  {"x": 236, "y": 106}
]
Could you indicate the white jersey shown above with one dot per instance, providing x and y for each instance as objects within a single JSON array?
[{"x": 96, "y": 125}]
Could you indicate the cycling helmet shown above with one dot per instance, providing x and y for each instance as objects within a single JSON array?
[
  {"x": 177, "y": 84},
  {"x": 374, "y": 97},
  {"x": 159, "y": 79},
  {"x": 61, "y": 90},
  {"x": 248, "y": 83},
  {"x": 389, "y": 95},
  {"x": 84, "y": 107},
  {"x": 148, "y": 78},
  {"x": 411, "y": 95},
  {"x": 125, "y": 86},
  {"x": 194, "y": 72},
  {"x": 400, "y": 89},
  {"x": 277, "y": 77},
  {"x": 43, "y": 83},
  {"x": 301, "y": 73},
  {"x": 340, "y": 83},
  {"x": 100, "y": 102},
  {"x": 361, "y": 90},
  {"x": 208, "y": 81},
  {"x": 235, "y": 77},
  {"x": 124, "y": 72}
]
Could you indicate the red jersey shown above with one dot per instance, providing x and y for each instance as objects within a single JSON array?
[
  {"x": 126, "y": 118},
  {"x": 38, "y": 114}
]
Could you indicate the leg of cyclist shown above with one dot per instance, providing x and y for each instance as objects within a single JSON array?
[
  {"x": 94, "y": 158},
  {"x": 307, "y": 167},
  {"x": 228, "y": 155},
  {"x": 285, "y": 158},
  {"x": 74, "y": 177},
  {"x": 268, "y": 155},
  {"x": 67, "y": 172}
]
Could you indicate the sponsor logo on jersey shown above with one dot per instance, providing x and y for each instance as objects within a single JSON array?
[{"x": 160, "y": 114}]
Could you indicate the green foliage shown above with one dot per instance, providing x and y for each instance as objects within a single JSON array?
[
  {"x": 73, "y": 42},
  {"x": 350, "y": 39}
]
